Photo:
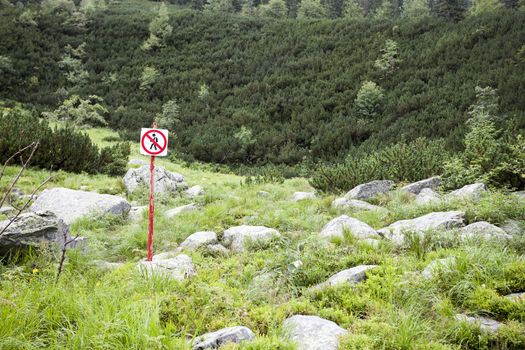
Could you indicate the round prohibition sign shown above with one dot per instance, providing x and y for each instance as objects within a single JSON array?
[{"x": 156, "y": 143}]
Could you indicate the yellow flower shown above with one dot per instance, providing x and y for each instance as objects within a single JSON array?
[
  {"x": 97, "y": 284},
  {"x": 35, "y": 270}
]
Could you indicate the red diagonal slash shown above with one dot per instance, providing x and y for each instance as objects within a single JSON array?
[{"x": 154, "y": 142}]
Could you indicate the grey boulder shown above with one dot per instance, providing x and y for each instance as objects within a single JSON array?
[
  {"x": 416, "y": 187},
  {"x": 370, "y": 189},
  {"x": 483, "y": 230},
  {"x": 437, "y": 221},
  {"x": 215, "y": 340},
  {"x": 313, "y": 332},
  {"x": 516, "y": 297},
  {"x": 350, "y": 276},
  {"x": 194, "y": 191},
  {"x": 301, "y": 196},
  {"x": 353, "y": 204},
  {"x": 427, "y": 196},
  {"x": 235, "y": 237},
  {"x": 199, "y": 239},
  {"x": 179, "y": 210},
  {"x": 485, "y": 324},
  {"x": 165, "y": 181},
  {"x": 170, "y": 265},
  {"x": 336, "y": 227},
  {"x": 469, "y": 192},
  {"x": 69, "y": 205},
  {"x": 33, "y": 230}
]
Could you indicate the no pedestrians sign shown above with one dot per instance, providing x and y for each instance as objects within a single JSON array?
[{"x": 154, "y": 142}]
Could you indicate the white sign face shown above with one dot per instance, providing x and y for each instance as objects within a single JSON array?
[{"x": 154, "y": 142}]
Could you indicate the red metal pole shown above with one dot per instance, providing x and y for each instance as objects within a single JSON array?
[{"x": 151, "y": 207}]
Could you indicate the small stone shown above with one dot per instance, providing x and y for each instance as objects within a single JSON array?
[
  {"x": 313, "y": 332},
  {"x": 349, "y": 276},
  {"x": 426, "y": 196},
  {"x": 300, "y": 196},
  {"x": 194, "y": 191},
  {"x": 217, "y": 249},
  {"x": 235, "y": 237},
  {"x": 176, "y": 267},
  {"x": 354, "y": 204},
  {"x": 179, "y": 210},
  {"x": 436, "y": 266},
  {"x": 165, "y": 181},
  {"x": 215, "y": 340},
  {"x": 483, "y": 230},
  {"x": 337, "y": 226},
  {"x": 416, "y": 187},
  {"x": 485, "y": 324},
  {"x": 199, "y": 239},
  {"x": 370, "y": 189},
  {"x": 469, "y": 192},
  {"x": 516, "y": 296},
  {"x": 263, "y": 194},
  {"x": 136, "y": 213}
]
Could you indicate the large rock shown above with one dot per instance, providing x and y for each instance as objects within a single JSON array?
[
  {"x": 169, "y": 265},
  {"x": 235, "y": 237},
  {"x": 483, "y": 230},
  {"x": 350, "y": 276},
  {"x": 512, "y": 227},
  {"x": 69, "y": 205},
  {"x": 436, "y": 266},
  {"x": 34, "y": 229},
  {"x": 370, "y": 189},
  {"x": 517, "y": 297},
  {"x": 469, "y": 192},
  {"x": 437, "y": 221},
  {"x": 354, "y": 204},
  {"x": 358, "y": 229},
  {"x": 426, "y": 196},
  {"x": 199, "y": 239},
  {"x": 301, "y": 196},
  {"x": 194, "y": 191},
  {"x": 313, "y": 333},
  {"x": 179, "y": 210},
  {"x": 165, "y": 181},
  {"x": 485, "y": 324},
  {"x": 215, "y": 340},
  {"x": 416, "y": 187}
]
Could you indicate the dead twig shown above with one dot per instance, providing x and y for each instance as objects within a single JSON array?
[{"x": 63, "y": 256}]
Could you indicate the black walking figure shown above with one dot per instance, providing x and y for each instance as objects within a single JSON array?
[{"x": 154, "y": 144}]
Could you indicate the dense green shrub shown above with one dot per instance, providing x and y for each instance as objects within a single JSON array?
[
  {"x": 59, "y": 148},
  {"x": 402, "y": 162}
]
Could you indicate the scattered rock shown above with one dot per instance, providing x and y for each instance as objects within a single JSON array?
[
  {"x": 512, "y": 227},
  {"x": 433, "y": 221},
  {"x": 300, "y": 196},
  {"x": 215, "y": 340},
  {"x": 199, "y": 239},
  {"x": 483, "y": 230},
  {"x": 426, "y": 196},
  {"x": 516, "y": 296},
  {"x": 182, "y": 209},
  {"x": 436, "y": 266},
  {"x": 263, "y": 194},
  {"x": 485, "y": 324},
  {"x": 353, "y": 204},
  {"x": 70, "y": 205},
  {"x": 165, "y": 181},
  {"x": 235, "y": 237},
  {"x": 370, "y": 189},
  {"x": 34, "y": 229},
  {"x": 469, "y": 192},
  {"x": 217, "y": 249},
  {"x": 349, "y": 276},
  {"x": 295, "y": 265},
  {"x": 176, "y": 267},
  {"x": 416, "y": 187},
  {"x": 136, "y": 213},
  {"x": 194, "y": 191},
  {"x": 313, "y": 333},
  {"x": 137, "y": 162},
  {"x": 358, "y": 229}
]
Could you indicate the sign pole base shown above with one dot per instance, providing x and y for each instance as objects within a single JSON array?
[{"x": 151, "y": 208}]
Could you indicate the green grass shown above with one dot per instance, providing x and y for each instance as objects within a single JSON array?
[{"x": 394, "y": 309}]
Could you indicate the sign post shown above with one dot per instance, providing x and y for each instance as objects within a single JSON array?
[{"x": 154, "y": 143}]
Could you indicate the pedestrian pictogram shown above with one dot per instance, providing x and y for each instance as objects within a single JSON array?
[{"x": 154, "y": 142}]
